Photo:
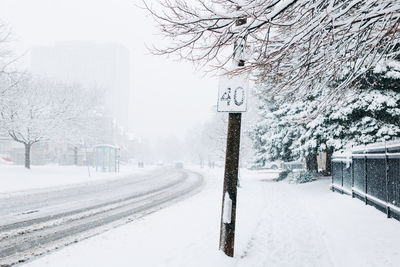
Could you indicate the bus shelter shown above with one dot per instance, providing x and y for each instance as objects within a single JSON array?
[{"x": 106, "y": 158}]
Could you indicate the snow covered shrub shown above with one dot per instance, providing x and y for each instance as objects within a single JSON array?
[
  {"x": 283, "y": 175},
  {"x": 301, "y": 177}
]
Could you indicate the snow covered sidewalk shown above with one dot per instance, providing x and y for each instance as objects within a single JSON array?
[{"x": 278, "y": 224}]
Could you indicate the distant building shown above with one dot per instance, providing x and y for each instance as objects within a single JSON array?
[{"x": 102, "y": 65}]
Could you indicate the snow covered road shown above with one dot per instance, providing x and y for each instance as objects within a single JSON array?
[{"x": 38, "y": 222}]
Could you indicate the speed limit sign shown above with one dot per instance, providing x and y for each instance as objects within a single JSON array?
[{"x": 232, "y": 94}]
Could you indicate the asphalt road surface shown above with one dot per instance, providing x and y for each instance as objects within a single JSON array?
[{"x": 35, "y": 223}]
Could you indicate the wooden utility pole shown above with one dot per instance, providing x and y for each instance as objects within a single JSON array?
[
  {"x": 229, "y": 195},
  {"x": 228, "y": 216}
]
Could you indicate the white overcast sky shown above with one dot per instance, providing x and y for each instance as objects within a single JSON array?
[{"x": 168, "y": 97}]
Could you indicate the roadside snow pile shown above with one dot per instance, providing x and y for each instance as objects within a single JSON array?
[
  {"x": 301, "y": 177},
  {"x": 17, "y": 178}
]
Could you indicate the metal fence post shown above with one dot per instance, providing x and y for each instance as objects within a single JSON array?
[
  {"x": 352, "y": 177},
  {"x": 332, "y": 187},
  {"x": 387, "y": 182},
  {"x": 366, "y": 179},
  {"x": 387, "y": 202},
  {"x": 342, "y": 166}
]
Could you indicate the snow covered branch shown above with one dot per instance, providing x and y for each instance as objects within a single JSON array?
[
  {"x": 298, "y": 45},
  {"x": 5, "y": 52},
  {"x": 36, "y": 110}
]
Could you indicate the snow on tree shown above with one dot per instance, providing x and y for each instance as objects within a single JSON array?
[
  {"x": 82, "y": 130},
  {"x": 300, "y": 46},
  {"x": 7, "y": 83},
  {"x": 4, "y": 49},
  {"x": 206, "y": 142},
  {"x": 371, "y": 114},
  {"x": 7, "y": 80},
  {"x": 275, "y": 135},
  {"x": 37, "y": 110},
  {"x": 278, "y": 134}
]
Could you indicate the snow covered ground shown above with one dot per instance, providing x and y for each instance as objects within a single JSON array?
[
  {"x": 278, "y": 224},
  {"x": 17, "y": 178}
]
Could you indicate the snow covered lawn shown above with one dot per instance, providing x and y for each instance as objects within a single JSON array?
[
  {"x": 278, "y": 224},
  {"x": 17, "y": 178}
]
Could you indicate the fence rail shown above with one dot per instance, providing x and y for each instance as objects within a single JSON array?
[{"x": 371, "y": 174}]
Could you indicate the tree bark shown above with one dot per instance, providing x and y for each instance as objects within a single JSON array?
[
  {"x": 28, "y": 155},
  {"x": 312, "y": 162},
  {"x": 328, "y": 164}
]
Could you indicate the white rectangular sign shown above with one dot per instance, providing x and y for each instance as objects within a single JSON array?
[{"x": 232, "y": 94}]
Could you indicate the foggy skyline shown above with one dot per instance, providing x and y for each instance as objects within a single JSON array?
[
  {"x": 103, "y": 66},
  {"x": 156, "y": 83}
]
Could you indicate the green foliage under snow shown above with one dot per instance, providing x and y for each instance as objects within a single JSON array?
[
  {"x": 367, "y": 113},
  {"x": 283, "y": 175},
  {"x": 301, "y": 177}
]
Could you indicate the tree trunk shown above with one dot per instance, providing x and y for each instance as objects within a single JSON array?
[
  {"x": 28, "y": 156},
  {"x": 312, "y": 162},
  {"x": 328, "y": 164},
  {"x": 75, "y": 155}
]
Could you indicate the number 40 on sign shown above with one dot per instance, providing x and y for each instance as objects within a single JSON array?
[{"x": 232, "y": 94}]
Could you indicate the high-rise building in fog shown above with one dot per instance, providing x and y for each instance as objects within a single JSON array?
[{"x": 102, "y": 65}]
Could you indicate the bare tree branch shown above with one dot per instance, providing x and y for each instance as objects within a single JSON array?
[{"x": 300, "y": 46}]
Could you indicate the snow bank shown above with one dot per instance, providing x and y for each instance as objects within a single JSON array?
[{"x": 17, "y": 178}]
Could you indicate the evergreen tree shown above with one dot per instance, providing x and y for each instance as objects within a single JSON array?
[
  {"x": 367, "y": 116},
  {"x": 372, "y": 114},
  {"x": 276, "y": 135}
]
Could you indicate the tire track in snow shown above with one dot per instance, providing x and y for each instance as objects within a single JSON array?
[{"x": 78, "y": 226}]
